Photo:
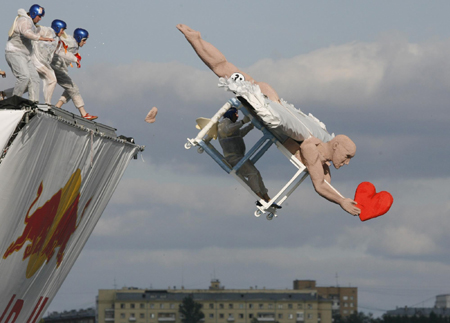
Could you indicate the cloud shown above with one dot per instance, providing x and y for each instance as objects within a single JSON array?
[
  {"x": 144, "y": 80},
  {"x": 388, "y": 73},
  {"x": 161, "y": 204},
  {"x": 327, "y": 75}
]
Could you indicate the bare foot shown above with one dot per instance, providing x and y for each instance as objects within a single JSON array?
[
  {"x": 188, "y": 32},
  {"x": 151, "y": 116}
]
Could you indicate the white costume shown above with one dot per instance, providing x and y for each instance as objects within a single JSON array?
[
  {"x": 42, "y": 56},
  {"x": 60, "y": 64},
  {"x": 281, "y": 117},
  {"x": 232, "y": 142},
  {"x": 18, "y": 55}
]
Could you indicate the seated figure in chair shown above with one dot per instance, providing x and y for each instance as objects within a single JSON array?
[
  {"x": 315, "y": 154},
  {"x": 231, "y": 138}
]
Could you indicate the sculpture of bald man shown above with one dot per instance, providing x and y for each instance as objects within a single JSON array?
[{"x": 314, "y": 153}]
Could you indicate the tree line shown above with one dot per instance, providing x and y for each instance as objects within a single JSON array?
[
  {"x": 191, "y": 312},
  {"x": 360, "y": 317}
]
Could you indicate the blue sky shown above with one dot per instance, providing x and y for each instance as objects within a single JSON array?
[{"x": 377, "y": 71}]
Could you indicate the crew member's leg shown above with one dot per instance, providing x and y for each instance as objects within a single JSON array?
[
  {"x": 26, "y": 75},
  {"x": 254, "y": 179},
  {"x": 71, "y": 91},
  {"x": 35, "y": 82},
  {"x": 48, "y": 79}
]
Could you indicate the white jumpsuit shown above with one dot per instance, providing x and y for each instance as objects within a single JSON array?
[
  {"x": 18, "y": 56},
  {"x": 41, "y": 57},
  {"x": 231, "y": 139},
  {"x": 60, "y": 64}
]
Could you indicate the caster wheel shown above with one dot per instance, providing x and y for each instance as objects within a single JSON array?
[
  {"x": 258, "y": 213},
  {"x": 200, "y": 150},
  {"x": 269, "y": 216}
]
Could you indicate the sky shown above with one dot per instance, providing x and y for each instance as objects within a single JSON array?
[{"x": 377, "y": 71}]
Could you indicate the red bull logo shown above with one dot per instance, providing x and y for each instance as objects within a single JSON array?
[
  {"x": 50, "y": 226},
  {"x": 13, "y": 310}
]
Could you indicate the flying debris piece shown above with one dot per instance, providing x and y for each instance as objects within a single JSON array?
[
  {"x": 57, "y": 173},
  {"x": 151, "y": 116}
]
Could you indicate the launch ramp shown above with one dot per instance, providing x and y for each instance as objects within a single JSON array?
[{"x": 57, "y": 174}]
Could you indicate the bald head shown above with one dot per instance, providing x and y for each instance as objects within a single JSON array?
[
  {"x": 347, "y": 143},
  {"x": 342, "y": 150}
]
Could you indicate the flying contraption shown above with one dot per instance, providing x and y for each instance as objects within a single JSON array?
[
  {"x": 277, "y": 121},
  {"x": 57, "y": 174}
]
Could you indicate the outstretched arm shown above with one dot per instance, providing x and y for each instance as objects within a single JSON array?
[
  {"x": 210, "y": 55},
  {"x": 321, "y": 179}
]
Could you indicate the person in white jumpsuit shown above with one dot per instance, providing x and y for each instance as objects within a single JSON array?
[
  {"x": 231, "y": 138},
  {"x": 42, "y": 56},
  {"x": 19, "y": 48},
  {"x": 60, "y": 65},
  {"x": 43, "y": 53}
]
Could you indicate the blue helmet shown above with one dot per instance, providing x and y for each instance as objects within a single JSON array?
[
  {"x": 36, "y": 10},
  {"x": 79, "y": 34},
  {"x": 230, "y": 113},
  {"x": 57, "y": 25}
]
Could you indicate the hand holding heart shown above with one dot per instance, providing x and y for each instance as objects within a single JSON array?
[{"x": 371, "y": 203}]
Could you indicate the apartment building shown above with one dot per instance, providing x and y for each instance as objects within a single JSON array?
[
  {"x": 220, "y": 305},
  {"x": 345, "y": 299}
]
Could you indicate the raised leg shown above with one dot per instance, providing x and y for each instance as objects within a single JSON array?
[{"x": 209, "y": 54}]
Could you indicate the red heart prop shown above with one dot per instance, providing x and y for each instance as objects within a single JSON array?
[{"x": 371, "y": 203}]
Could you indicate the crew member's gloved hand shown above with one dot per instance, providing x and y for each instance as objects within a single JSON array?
[{"x": 246, "y": 119}]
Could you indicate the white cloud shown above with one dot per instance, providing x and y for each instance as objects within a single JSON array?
[
  {"x": 144, "y": 80},
  {"x": 405, "y": 241},
  {"x": 327, "y": 75}
]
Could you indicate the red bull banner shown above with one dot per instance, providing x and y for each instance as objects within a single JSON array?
[
  {"x": 9, "y": 119},
  {"x": 55, "y": 182}
]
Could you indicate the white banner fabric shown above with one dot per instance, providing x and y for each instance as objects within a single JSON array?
[
  {"x": 9, "y": 119},
  {"x": 55, "y": 182}
]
